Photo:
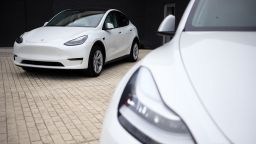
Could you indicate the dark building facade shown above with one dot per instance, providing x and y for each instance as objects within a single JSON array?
[{"x": 18, "y": 16}]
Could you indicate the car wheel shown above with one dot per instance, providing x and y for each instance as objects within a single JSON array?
[
  {"x": 134, "y": 54},
  {"x": 96, "y": 61}
]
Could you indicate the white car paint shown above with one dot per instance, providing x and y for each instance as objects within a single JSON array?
[
  {"x": 223, "y": 75},
  {"x": 206, "y": 78},
  {"x": 46, "y": 44}
]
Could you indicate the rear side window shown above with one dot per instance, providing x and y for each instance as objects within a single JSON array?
[{"x": 122, "y": 20}]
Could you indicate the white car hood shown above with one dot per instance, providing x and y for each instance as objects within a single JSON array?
[
  {"x": 51, "y": 34},
  {"x": 222, "y": 69}
]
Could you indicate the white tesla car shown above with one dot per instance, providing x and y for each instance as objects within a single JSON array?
[
  {"x": 198, "y": 88},
  {"x": 78, "y": 39}
]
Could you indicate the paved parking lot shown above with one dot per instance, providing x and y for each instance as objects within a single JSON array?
[{"x": 54, "y": 106}]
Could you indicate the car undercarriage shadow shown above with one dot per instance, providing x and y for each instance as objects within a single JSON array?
[
  {"x": 55, "y": 73},
  {"x": 69, "y": 74}
]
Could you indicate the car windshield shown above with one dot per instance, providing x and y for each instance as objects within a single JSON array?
[
  {"x": 77, "y": 18},
  {"x": 230, "y": 15}
]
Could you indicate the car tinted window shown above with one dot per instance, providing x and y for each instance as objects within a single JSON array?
[
  {"x": 76, "y": 18},
  {"x": 122, "y": 20},
  {"x": 111, "y": 18},
  {"x": 223, "y": 15}
]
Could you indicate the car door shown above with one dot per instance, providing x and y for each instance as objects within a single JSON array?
[
  {"x": 112, "y": 37},
  {"x": 126, "y": 34}
]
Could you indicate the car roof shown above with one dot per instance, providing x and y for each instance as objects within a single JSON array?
[
  {"x": 97, "y": 10},
  {"x": 89, "y": 10}
]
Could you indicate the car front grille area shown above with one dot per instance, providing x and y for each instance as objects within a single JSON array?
[{"x": 42, "y": 63}]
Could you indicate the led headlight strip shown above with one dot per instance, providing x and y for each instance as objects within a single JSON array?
[{"x": 143, "y": 114}]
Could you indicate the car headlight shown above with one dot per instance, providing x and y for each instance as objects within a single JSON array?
[
  {"x": 19, "y": 40},
  {"x": 77, "y": 41},
  {"x": 143, "y": 114}
]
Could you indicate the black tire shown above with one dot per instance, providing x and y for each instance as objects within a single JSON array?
[
  {"x": 134, "y": 54},
  {"x": 96, "y": 61}
]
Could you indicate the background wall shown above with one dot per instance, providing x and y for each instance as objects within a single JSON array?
[{"x": 18, "y": 16}]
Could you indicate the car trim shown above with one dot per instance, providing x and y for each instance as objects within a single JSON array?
[{"x": 42, "y": 63}]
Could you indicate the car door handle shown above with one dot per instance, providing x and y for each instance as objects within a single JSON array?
[{"x": 119, "y": 32}]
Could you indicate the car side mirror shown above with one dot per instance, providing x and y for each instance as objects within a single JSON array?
[
  {"x": 167, "y": 27},
  {"x": 45, "y": 23},
  {"x": 108, "y": 26}
]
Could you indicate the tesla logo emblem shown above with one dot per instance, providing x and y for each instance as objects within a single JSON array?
[{"x": 42, "y": 40}]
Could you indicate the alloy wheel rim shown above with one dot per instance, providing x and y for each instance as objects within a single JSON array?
[
  {"x": 97, "y": 61},
  {"x": 135, "y": 51}
]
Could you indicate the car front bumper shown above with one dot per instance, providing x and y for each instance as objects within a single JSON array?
[
  {"x": 113, "y": 132},
  {"x": 42, "y": 55}
]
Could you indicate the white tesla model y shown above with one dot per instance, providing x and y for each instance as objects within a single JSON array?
[
  {"x": 78, "y": 39},
  {"x": 198, "y": 88}
]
